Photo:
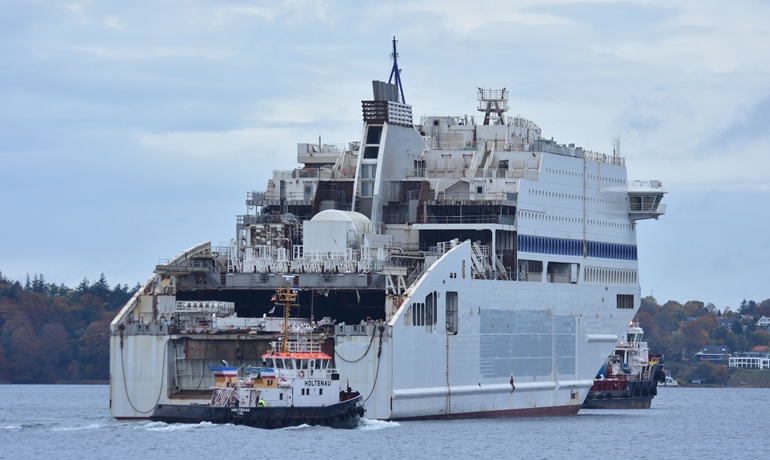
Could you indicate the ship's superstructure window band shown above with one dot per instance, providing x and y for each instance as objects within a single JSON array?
[
  {"x": 570, "y": 247},
  {"x": 610, "y": 275}
]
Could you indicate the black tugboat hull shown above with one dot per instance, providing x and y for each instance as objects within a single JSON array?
[
  {"x": 345, "y": 414},
  {"x": 637, "y": 395}
]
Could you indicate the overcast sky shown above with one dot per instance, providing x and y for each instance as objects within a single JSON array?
[{"x": 131, "y": 131}]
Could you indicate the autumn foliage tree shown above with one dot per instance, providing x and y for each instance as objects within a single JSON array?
[
  {"x": 679, "y": 331},
  {"x": 51, "y": 333}
]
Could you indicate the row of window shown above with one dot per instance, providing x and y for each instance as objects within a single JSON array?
[
  {"x": 551, "y": 218},
  {"x": 576, "y": 197},
  {"x": 291, "y": 363},
  {"x": 426, "y": 313},
  {"x": 571, "y": 247},
  {"x": 421, "y": 314},
  {"x": 306, "y": 391},
  {"x": 749, "y": 362},
  {"x": 610, "y": 180},
  {"x": 610, "y": 276}
]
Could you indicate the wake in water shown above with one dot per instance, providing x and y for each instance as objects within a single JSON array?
[
  {"x": 298, "y": 427},
  {"x": 366, "y": 424},
  {"x": 78, "y": 428},
  {"x": 162, "y": 426}
]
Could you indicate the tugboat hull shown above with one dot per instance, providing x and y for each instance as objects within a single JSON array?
[
  {"x": 345, "y": 414},
  {"x": 637, "y": 395}
]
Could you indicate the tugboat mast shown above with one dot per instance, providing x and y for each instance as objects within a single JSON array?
[{"x": 286, "y": 298}]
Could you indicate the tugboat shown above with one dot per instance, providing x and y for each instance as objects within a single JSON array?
[
  {"x": 629, "y": 379},
  {"x": 296, "y": 385}
]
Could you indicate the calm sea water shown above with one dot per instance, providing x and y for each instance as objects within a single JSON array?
[{"x": 73, "y": 422}]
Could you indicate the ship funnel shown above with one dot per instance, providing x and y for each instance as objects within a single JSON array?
[{"x": 384, "y": 91}]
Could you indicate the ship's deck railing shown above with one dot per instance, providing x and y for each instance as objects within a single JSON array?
[
  {"x": 499, "y": 145},
  {"x": 204, "y": 306},
  {"x": 301, "y": 344},
  {"x": 604, "y": 158},
  {"x": 460, "y": 120},
  {"x": 310, "y": 173},
  {"x": 458, "y": 170},
  {"x": 272, "y": 259},
  {"x": 259, "y": 219},
  {"x": 187, "y": 265},
  {"x": 203, "y": 248},
  {"x": 459, "y": 219},
  {"x": 442, "y": 197},
  {"x": 646, "y": 184},
  {"x": 323, "y": 149}
]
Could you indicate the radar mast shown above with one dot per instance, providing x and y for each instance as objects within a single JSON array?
[
  {"x": 493, "y": 102},
  {"x": 396, "y": 72}
]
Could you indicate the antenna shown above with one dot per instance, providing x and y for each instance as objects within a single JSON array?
[
  {"x": 287, "y": 298},
  {"x": 395, "y": 71}
]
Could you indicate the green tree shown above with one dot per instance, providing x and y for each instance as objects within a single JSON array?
[
  {"x": 101, "y": 288},
  {"x": 696, "y": 337},
  {"x": 763, "y": 308},
  {"x": 737, "y": 327},
  {"x": 759, "y": 338},
  {"x": 719, "y": 335}
]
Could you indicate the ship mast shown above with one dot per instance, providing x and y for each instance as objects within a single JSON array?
[
  {"x": 396, "y": 72},
  {"x": 285, "y": 298},
  {"x": 494, "y": 103}
]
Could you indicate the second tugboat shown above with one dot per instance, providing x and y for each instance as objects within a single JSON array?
[
  {"x": 296, "y": 385},
  {"x": 629, "y": 379}
]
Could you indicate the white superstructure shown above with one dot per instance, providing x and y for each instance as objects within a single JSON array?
[{"x": 465, "y": 267}]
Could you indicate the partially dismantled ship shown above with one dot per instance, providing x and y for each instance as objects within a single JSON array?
[{"x": 453, "y": 267}]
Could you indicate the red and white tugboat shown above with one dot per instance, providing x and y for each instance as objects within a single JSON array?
[
  {"x": 296, "y": 385},
  {"x": 629, "y": 379}
]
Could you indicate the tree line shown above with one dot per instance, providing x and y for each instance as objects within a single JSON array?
[
  {"x": 680, "y": 331},
  {"x": 52, "y": 333}
]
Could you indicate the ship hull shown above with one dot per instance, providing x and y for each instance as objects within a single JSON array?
[
  {"x": 557, "y": 411},
  {"x": 522, "y": 349}
]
